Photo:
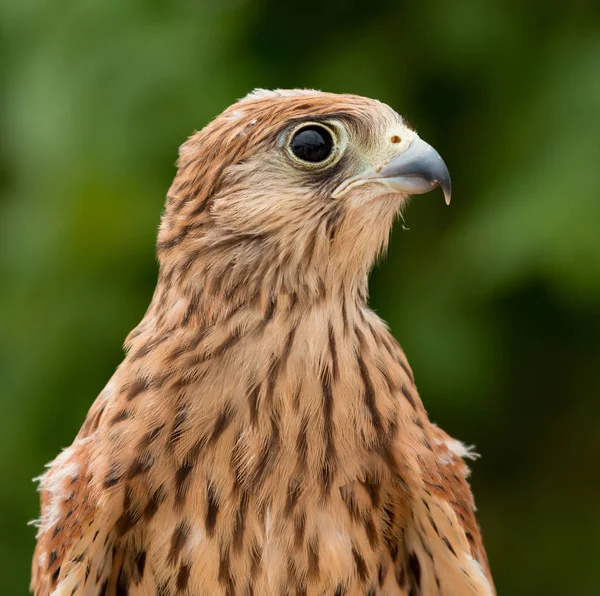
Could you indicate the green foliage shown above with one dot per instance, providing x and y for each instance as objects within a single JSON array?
[{"x": 496, "y": 300}]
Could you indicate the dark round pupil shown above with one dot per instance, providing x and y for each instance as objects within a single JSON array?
[{"x": 312, "y": 143}]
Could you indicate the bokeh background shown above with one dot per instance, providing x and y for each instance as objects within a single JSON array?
[{"x": 496, "y": 299}]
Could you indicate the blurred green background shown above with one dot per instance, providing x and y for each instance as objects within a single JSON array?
[{"x": 496, "y": 299}]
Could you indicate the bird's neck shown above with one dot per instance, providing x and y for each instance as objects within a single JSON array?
[
  {"x": 211, "y": 297},
  {"x": 208, "y": 270},
  {"x": 331, "y": 363},
  {"x": 272, "y": 326},
  {"x": 181, "y": 311}
]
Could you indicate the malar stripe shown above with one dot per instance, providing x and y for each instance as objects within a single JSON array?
[
  {"x": 329, "y": 463},
  {"x": 333, "y": 219},
  {"x": 309, "y": 249}
]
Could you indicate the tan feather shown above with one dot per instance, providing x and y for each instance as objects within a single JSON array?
[{"x": 264, "y": 434}]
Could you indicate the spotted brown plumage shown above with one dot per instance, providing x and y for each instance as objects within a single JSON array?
[{"x": 264, "y": 434}]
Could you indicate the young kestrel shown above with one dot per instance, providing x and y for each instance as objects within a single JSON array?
[{"x": 264, "y": 435}]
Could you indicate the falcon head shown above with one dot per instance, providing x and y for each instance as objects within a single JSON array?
[{"x": 294, "y": 190}]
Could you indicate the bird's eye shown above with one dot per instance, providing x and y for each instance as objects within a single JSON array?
[{"x": 312, "y": 143}]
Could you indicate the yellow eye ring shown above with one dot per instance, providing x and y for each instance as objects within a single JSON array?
[{"x": 313, "y": 144}]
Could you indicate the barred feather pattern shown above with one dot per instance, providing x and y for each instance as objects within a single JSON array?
[{"x": 264, "y": 434}]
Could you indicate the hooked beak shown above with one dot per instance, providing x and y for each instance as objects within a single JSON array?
[{"x": 415, "y": 171}]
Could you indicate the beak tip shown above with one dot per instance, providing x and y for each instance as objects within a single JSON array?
[{"x": 446, "y": 185}]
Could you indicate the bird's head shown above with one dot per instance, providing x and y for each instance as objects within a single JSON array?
[{"x": 292, "y": 191}]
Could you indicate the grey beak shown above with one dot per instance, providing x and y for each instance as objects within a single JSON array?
[{"x": 417, "y": 170}]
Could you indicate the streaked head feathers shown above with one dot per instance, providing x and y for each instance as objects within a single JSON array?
[{"x": 240, "y": 187}]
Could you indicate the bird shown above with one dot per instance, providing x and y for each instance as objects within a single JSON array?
[{"x": 263, "y": 434}]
